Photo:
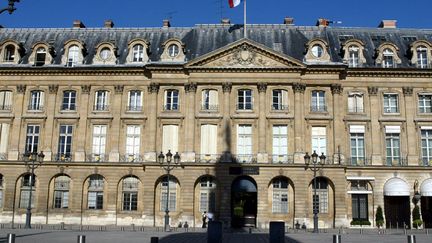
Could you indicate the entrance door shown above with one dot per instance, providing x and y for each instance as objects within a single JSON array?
[
  {"x": 243, "y": 202},
  {"x": 426, "y": 211},
  {"x": 397, "y": 211}
]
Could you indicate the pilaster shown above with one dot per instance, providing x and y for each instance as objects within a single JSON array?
[
  {"x": 16, "y": 124},
  {"x": 226, "y": 124},
  {"x": 188, "y": 154},
  {"x": 114, "y": 155},
  {"x": 262, "y": 156},
  {"x": 411, "y": 141},
  {"x": 83, "y": 108},
  {"x": 338, "y": 133},
  {"x": 299, "y": 148},
  {"x": 50, "y": 109},
  {"x": 375, "y": 131},
  {"x": 152, "y": 104}
]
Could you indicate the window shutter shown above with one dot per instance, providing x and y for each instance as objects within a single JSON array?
[
  {"x": 284, "y": 97},
  {"x": 170, "y": 138},
  {"x": 359, "y": 102},
  {"x": 42, "y": 99},
  {"x": 4, "y": 137},
  {"x": 213, "y": 98}
]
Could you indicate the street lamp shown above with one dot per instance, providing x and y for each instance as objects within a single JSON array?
[
  {"x": 307, "y": 159},
  {"x": 168, "y": 167},
  {"x": 29, "y": 160},
  {"x": 11, "y": 7}
]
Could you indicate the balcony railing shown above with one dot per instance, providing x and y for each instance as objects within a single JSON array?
[
  {"x": 401, "y": 161},
  {"x": 171, "y": 107},
  {"x": 318, "y": 108},
  {"x": 281, "y": 158},
  {"x": 279, "y": 107},
  {"x": 5, "y": 107},
  {"x": 355, "y": 109},
  {"x": 244, "y": 107},
  {"x": 3, "y": 156},
  {"x": 423, "y": 66},
  {"x": 131, "y": 158},
  {"x": 207, "y": 107},
  {"x": 100, "y": 107},
  {"x": 425, "y": 161},
  {"x": 359, "y": 161},
  {"x": 68, "y": 107},
  {"x": 96, "y": 157},
  {"x": 134, "y": 108},
  {"x": 35, "y": 107},
  {"x": 207, "y": 158},
  {"x": 245, "y": 158},
  {"x": 66, "y": 157}
]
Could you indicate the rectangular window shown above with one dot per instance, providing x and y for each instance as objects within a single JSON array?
[
  {"x": 319, "y": 141},
  {"x": 244, "y": 143},
  {"x": 353, "y": 60},
  {"x": 422, "y": 59},
  {"x": 209, "y": 139},
  {"x": 244, "y": 99},
  {"x": 210, "y": 100},
  {"x": 360, "y": 207},
  {"x": 69, "y": 100},
  {"x": 355, "y": 103},
  {"x": 133, "y": 133},
  {"x": 318, "y": 101},
  {"x": 280, "y": 99},
  {"x": 99, "y": 142},
  {"x": 357, "y": 144},
  {"x": 170, "y": 138},
  {"x": 280, "y": 197},
  {"x": 171, "y": 100},
  {"x": 130, "y": 201},
  {"x": 25, "y": 196},
  {"x": 101, "y": 100},
  {"x": 135, "y": 100},
  {"x": 322, "y": 195},
  {"x": 172, "y": 195},
  {"x": 4, "y": 139},
  {"x": 36, "y": 100},
  {"x": 280, "y": 143},
  {"x": 391, "y": 103},
  {"x": 61, "y": 199},
  {"x": 65, "y": 143},
  {"x": 5, "y": 100},
  {"x": 392, "y": 138},
  {"x": 32, "y": 138},
  {"x": 95, "y": 200},
  {"x": 426, "y": 146},
  {"x": 207, "y": 201},
  {"x": 425, "y": 103}
]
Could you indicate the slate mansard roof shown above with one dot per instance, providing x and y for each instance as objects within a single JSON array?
[{"x": 202, "y": 39}]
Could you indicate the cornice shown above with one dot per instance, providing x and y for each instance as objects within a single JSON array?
[
  {"x": 402, "y": 73},
  {"x": 120, "y": 71}
]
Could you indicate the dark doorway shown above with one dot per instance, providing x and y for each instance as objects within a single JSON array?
[
  {"x": 397, "y": 211},
  {"x": 243, "y": 202},
  {"x": 426, "y": 211}
]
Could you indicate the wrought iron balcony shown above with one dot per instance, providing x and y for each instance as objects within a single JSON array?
[
  {"x": 359, "y": 161},
  {"x": 101, "y": 107},
  {"x": 68, "y": 107},
  {"x": 134, "y": 108},
  {"x": 208, "y": 107},
  {"x": 62, "y": 157},
  {"x": 318, "y": 108},
  {"x": 131, "y": 158},
  {"x": 279, "y": 107},
  {"x": 96, "y": 157},
  {"x": 400, "y": 161},
  {"x": 35, "y": 107},
  {"x": 355, "y": 109},
  {"x": 3, "y": 156},
  {"x": 5, "y": 107},
  {"x": 425, "y": 161},
  {"x": 244, "y": 107},
  {"x": 171, "y": 107},
  {"x": 281, "y": 158},
  {"x": 207, "y": 158},
  {"x": 245, "y": 158}
]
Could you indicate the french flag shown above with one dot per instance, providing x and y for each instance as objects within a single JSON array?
[{"x": 234, "y": 3}]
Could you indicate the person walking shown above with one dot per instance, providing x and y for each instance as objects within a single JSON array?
[{"x": 204, "y": 220}]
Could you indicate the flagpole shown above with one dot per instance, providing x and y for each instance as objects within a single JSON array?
[{"x": 244, "y": 13}]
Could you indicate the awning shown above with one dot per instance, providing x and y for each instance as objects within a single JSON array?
[
  {"x": 426, "y": 188},
  {"x": 396, "y": 187}
]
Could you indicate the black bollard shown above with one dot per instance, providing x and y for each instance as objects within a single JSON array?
[
  {"x": 81, "y": 239},
  {"x": 10, "y": 238},
  {"x": 214, "y": 232},
  {"x": 411, "y": 239},
  {"x": 154, "y": 240},
  {"x": 337, "y": 239},
  {"x": 277, "y": 232}
]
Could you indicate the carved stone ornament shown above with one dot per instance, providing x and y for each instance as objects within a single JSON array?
[
  {"x": 53, "y": 88},
  {"x": 153, "y": 88},
  {"x": 262, "y": 87},
  {"x": 336, "y": 89},
  {"x": 118, "y": 89},
  {"x": 299, "y": 88},
  {"x": 226, "y": 87},
  {"x": 85, "y": 89},
  {"x": 21, "y": 88},
  {"x": 190, "y": 87},
  {"x": 407, "y": 91},
  {"x": 373, "y": 90}
]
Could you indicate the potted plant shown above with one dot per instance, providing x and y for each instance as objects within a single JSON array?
[
  {"x": 417, "y": 222},
  {"x": 379, "y": 219}
]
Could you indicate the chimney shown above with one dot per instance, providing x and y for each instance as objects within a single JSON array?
[
  {"x": 166, "y": 23},
  {"x": 225, "y": 21},
  {"x": 387, "y": 24},
  {"x": 321, "y": 22},
  {"x": 289, "y": 21},
  {"x": 109, "y": 23},
  {"x": 78, "y": 24}
]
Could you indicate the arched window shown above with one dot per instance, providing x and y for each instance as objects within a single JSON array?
[
  {"x": 280, "y": 195},
  {"x": 9, "y": 54},
  {"x": 138, "y": 53},
  {"x": 40, "y": 56},
  {"x": 317, "y": 51},
  {"x": 73, "y": 56},
  {"x": 322, "y": 198},
  {"x": 27, "y": 181},
  {"x": 61, "y": 192},
  {"x": 105, "y": 53},
  {"x": 210, "y": 100},
  {"x": 388, "y": 58},
  {"x": 130, "y": 193},
  {"x": 172, "y": 194},
  {"x": 353, "y": 59},
  {"x": 422, "y": 57},
  {"x": 95, "y": 192},
  {"x": 207, "y": 194}
]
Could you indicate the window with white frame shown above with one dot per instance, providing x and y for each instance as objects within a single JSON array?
[
  {"x": 130, "y": 193},
  {"x": 65, "y": 143},
  {"x": 172, "y": 194},
  {"x": 388, "y": 58},
  {"x": 426, "y": 145},
  {"x": 355, "y": 102},
  {"x": 138, "y": 53},
  {"x": 26, "y": 181},
  {"x": 425, "y": 103},
  {"x": 244, "y": 101},
  {"x": 171, "y": 100},
  {"x": 353, "y": 58},
  {"x": 36, "y": 100},
  {"x": 101, "y": 102},
  {"x": 280, "y": 196},
  {"x": 73, "y": 56},
  {"x": 5, "y": 100},
  {"x": 170, "y": 138},
  {"x": 359, "y": 206},
  {"x": 61, "y": 192},
  {"x": 40, "y": 56},
  {"x": 69, "y": 100},
  {"x": 135, "y": 100},
  {"x": 95, "y": 192},
  {"x": 244, "y": 143},
  {"x": 357, "y": 144},
  {"x": 32, "y": 138},
  {"x": 207, "y": 194},
  {"x": 99, "y": 142},
  {"x": 319, "y": 141},
  {"x": 391, "y": 104},
  {"x": 322, "y": 198},
  {"x": 318, "y": 101},
  {"x": 4, "y": 140},
  {"x": 209, "y": 140},
  {"x": 9, "y": 54},
  {"x": 422, "y": 57},
  {"x": 210, "y": 100},
  {"x": 392, "y": 140},
  {"x": 133, "y": 134},
  {"x": 280, "y": 144},
  {"x": 280, "y": 99}
]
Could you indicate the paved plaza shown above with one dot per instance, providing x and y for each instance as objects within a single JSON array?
[{"x": 70, "y": 236}]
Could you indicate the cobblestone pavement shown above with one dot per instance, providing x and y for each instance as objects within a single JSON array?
[{"x": 70, "y": 236}]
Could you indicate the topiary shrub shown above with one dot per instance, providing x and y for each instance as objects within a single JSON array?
[
  {"x": 379, "y": 218},
  {"x": 417, "y": 222}
]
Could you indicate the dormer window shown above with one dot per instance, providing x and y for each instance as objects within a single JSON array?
[
  {"x": 40, "y": 56},
  {"x": 73, "y": 56},
  {"x": 422, "y": 57},
  {"x": 9, "y": 55},
  {"x": 387, "y": 56},
  {"x": 317, "y": 51},
  {"x": 173, "y": 50},
  {"x": 353, "y": 59},
  {"x": 353, "y": 53},
  {"x": 138, "y": 53},
  {"x": 105, "y": 53},
  {"x": 388, "y": 59}
]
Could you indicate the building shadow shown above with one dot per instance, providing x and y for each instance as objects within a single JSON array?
[{"x": 227, "y": 238}]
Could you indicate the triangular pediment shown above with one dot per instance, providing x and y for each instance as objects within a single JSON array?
[{"x": 245, "y": 53}]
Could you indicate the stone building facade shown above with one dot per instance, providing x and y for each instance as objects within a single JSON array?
[{"x": 102, "y": 103}]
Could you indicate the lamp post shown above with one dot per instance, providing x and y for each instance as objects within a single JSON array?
[
  {"x": 314, "y": 168},
  {"x": 168, "y": 166},
  {"x": 29, "y": 160},
  {"x": 11, "y": 7}
]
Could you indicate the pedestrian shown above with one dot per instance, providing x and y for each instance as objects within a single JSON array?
[
  {"x": 210, "y": 216},
  {"x": 204, "y": 219}
]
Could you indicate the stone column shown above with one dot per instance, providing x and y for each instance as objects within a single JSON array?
[
  {"x": 50, "y": 109},
  {"x": 226, "y": 124},
  {"x": 338, "y": 132},
  {"x": 375, "y": 128},
  {"x": 150, "y": 152},
  {"x": 411, "y": 141},
  {"x": 262, "y": 153},
  {"x": 15, "y": 127},
  {"x": 81, "y": 128},
  {"x": 116, "y": 104},
  {"x": 299, "y": 136},
  {"x": 188, "y": 154}
]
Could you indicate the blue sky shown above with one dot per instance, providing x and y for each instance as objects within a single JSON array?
[{"x": 149, "y": 13}]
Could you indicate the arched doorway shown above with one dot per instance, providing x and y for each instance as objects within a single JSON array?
[
  {"x": 243, "y": 202},
  {"x": 397, "y": 204},
  {"x": 426, "y": 202}
]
